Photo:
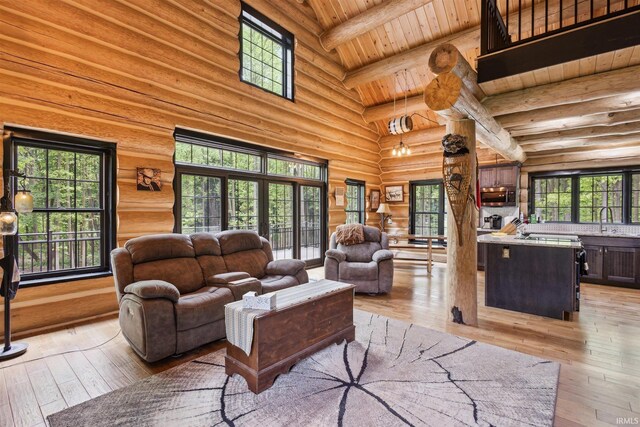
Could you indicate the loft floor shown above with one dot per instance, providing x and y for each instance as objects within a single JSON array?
[{"x": 599, "y": 351}]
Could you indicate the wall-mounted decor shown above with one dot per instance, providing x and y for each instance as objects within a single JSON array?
[
  {"x": 149, "y": 179},
  {"x": 339, "y": 196},
  {"x": 374, "y": 200},
  {"x": 456, "y": 171},
  {"x": 394, "y": 193}
]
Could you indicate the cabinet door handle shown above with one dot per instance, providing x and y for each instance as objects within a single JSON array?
[
  {"x": 600, "y": 250},
  {"x": 605, "y": 250}
]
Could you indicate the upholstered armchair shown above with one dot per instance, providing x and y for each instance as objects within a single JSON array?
[{"x": 368, "y": 265}]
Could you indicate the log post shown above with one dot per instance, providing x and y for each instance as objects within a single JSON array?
[{"x": 462, "y": 260}]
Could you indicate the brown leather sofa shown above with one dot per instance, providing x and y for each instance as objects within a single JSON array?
[{"x": 172, "y": 288}]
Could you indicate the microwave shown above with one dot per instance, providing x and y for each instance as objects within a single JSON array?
[{"x": 498, "y": 196}]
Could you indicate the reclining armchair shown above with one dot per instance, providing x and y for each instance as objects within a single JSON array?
[{"x": 368, "y": 265}]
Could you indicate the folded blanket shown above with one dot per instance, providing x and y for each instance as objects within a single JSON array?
[{"x": 350, "y": 234}]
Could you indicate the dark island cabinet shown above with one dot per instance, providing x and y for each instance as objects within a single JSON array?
[{"x": 613, "y": 261}]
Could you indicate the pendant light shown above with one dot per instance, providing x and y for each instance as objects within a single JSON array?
[{"x": 402, "y": 124}]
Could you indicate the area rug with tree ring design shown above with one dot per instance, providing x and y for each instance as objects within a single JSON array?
[{"x": 394, "y": 373}]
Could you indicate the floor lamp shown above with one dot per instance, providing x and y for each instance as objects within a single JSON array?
[{"x": 10, "y": 278}]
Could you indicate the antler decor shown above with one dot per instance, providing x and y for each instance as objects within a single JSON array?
[{"x": 456, "y": 170}]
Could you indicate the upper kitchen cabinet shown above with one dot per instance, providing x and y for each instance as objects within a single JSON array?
[{"x": 499, "y": 176}]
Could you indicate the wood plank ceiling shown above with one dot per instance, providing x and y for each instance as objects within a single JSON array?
[{"x": 576, "y": 120}]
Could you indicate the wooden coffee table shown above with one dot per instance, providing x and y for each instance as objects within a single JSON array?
[{"x": 283, "y": 337}]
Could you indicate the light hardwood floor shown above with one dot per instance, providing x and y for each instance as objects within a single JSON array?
[{"x": 599, "y": 351}]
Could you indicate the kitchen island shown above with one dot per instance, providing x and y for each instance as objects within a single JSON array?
[{"x": 534, "y": 275}]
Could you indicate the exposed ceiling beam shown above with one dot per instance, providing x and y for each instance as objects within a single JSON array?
[
  {"x": 603, "y": 119},
  {"x": 586, "y": 145},
  {"x": 451, "y": 94},
  {"x": 580, "y": 89},
  {"x": 410, "y": 59},
  {"x": 386, "y": 111},
  {"x": 367, "y": 21},
  {"x": 568, "y": 136},
  {"x": 560, "y": 112}
]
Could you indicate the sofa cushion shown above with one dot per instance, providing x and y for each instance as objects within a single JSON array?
[
  {"x": 232, "y": 241},
  {"x": 212, "y": 265},
  {"x": 203, "y": 306},
  {"x": 360, "y": 253},
  {"x": 251, "y": 261},
  {"x": 275, "y": 283},
  {"x": 183, "y": 273},
  {"x": 358, "y": 271},
  {"x": 159, "y": 246},
  {"x": 205, "y": 244}
]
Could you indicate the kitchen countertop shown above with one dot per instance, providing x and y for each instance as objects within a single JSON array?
[
  {"x": 576, "y": 233},
  {"x": 512, "y": 240}
]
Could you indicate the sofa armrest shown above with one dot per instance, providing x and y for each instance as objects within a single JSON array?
[
  {"x": 150, "y": 289},
  {"x": 242, "y": 286},
  {"x": 336, "y": 254},
  {"x": 284, "y": 267},
  {"x": 224, "y": 278},
  {"x": 382, "y": 254}
]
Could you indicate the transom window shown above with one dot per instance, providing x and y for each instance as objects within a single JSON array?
[
  {"x": 70, "y": 231},
  {"x": 266, "y": 53},
  {"x": 427, "y": 205},
  {"x": 579, "y": 197},
  {"x": 553, "y": 198},
  {"x": 217, "y": 157},
  {"x": 355, "y": 202},
  {"x": 286, "y": 167}
]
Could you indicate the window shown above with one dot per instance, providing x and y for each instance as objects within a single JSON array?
[
  {"x": 355, "y": 202},
  {"x": 282, "y": 198},
  {"x": 427, "y": 204},
  {"x": 635, "y": 198},
  {"x": 71, "y": 229},
  {"x": 201, "y": 203},
  {"x": 266, "y": 54},
  {"x": 598, "y": 191},
  {"x": 217, "y": 157},
  {"x": 579, "y": 196},
  {"x": 553, "y": 199},
  {"x": 286, "y": 167}
]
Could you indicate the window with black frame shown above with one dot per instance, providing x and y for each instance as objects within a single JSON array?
[
  {"x": 579, "y": 196},
  {"x": 553, "y": 199},
  {"x": 428, "y": 215},
  {"x": 355, "y": 202},
  {"x": 635, "y": 198},
  {"x": 70, "y": 231},
  {"x": 266, "y": 53}
]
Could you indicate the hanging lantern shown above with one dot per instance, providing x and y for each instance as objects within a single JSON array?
[
  {"x": 23, "y": 201},
  {"x": 400, "y": 125}
]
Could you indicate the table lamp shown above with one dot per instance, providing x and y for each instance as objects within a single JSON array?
[{"x": 385, "y": 214}]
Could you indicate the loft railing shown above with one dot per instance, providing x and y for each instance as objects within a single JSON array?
[{"x": 508, "y": 23}]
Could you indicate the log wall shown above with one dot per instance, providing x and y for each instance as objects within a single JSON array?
[{"x": 130, "y": 71}]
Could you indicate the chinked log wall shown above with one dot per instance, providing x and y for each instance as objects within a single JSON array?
[{"x": 129, "y": 72}]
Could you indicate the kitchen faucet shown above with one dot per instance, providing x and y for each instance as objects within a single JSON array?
[{"x": 609, "y": 216}]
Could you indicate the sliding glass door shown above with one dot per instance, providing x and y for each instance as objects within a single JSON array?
[
  {"x": 243, "y": 204},
  {"x": 280, "y": 216}
]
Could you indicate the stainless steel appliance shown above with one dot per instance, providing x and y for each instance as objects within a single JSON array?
[
  {"x": 498, "y": 196},
  {"x": 496, "y": 222}
]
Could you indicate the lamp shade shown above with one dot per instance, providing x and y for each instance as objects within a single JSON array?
[
  {"x": 8, "y": 223},
  {"x": 23, "y": 201},
  {"x": 384, "y": 209}
]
